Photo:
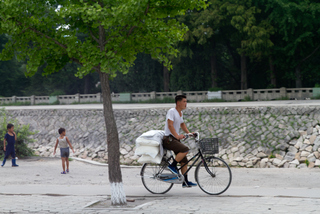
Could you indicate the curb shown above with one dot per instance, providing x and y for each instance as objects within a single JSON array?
[{"x": 101, "y": 164}]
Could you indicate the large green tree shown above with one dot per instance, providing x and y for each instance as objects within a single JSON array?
[
  {"x": 45, "y": 32},
  {"x": 297, "y": 43},
  {"x": 12, "y": 80}
]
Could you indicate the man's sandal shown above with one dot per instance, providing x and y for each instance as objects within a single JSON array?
[{"x": 63, "y": 172}]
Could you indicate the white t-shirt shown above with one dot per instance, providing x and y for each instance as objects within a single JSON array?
[{"x": 174, "y": 116}]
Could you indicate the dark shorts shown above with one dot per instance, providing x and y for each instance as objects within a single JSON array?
[
  {"x": 64, "y": 152},
  {"x": 10, "y": 151},
  {"x": 176, "y": 146}
]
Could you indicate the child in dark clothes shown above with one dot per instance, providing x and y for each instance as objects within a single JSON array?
[{"x": 10, "y": 138}]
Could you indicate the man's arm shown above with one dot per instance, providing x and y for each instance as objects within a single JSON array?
[
  {"x": 173, "y": 131},
  {"x": 184, "y": 128}
]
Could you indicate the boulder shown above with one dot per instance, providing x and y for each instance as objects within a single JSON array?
[
  {"x": 311, "y": 165},
  {"x": 317, "y": 163},
  {"x": 305, "y": 154},
  {"x": 276, "y": 161},
  {"x": 289, "y": 156},
  {"x": 311, "y": 158},
  {"x": 282, "y": 163},
  {"x": 261, "y": 155},
  {"x": 263, "y": 163},
  {"x": 295, "y": 162}
]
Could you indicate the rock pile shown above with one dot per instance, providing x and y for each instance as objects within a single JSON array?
[{"x": 302, "y": 152}]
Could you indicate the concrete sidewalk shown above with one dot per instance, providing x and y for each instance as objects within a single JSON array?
[{"x": 38, "y": 187}]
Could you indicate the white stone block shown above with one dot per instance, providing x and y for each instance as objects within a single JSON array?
[
  {"x": 214, "y": 95},
  {"x": 295, "y": 162},
  {"x": 305, "y": 154},
  {"x": 276, "y": 161},
  {"x": 317, "y": 163}
]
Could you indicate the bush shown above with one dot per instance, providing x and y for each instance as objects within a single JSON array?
[{"x": 22, "y": 132}]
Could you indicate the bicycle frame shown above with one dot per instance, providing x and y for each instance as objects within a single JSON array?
[{"x": 197, "y": 156}]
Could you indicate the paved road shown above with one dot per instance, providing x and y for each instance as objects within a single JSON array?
[
  {"x": 37, "y": 186},
  {"x": 168, "y": 105}
]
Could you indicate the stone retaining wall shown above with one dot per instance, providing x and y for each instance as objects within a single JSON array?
[{"x": 249, "y": 137}]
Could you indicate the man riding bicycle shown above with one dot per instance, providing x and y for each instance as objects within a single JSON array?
[{"x": 171, "y": 140}]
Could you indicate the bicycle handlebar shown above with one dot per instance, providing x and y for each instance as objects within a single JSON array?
[{"x": 194, "y": 135}]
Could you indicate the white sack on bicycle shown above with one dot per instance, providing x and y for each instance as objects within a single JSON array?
[
  {"x": 147, "y": 150},
  {"x": 148, "y": 159},
  {"x": 149, "y": 145},
  {"x": 150, "y": 138}
]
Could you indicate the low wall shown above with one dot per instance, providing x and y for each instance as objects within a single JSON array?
[
  {"x": 249, "y": 137},
  {"x": 195, "y": 96}
]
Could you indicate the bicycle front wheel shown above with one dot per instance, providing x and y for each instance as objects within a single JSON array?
[
  {"x": 214, "y": 176},
  {"x": 149, "y": 176}
]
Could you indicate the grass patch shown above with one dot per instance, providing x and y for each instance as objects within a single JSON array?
[
  {"x": 283, "y": 98},
  {"x": 272, "y": 156},
  {"x": 215, "y": 100},
  {"x": 157, "y": 100},
  {"x": 247, "y": 98},
  {"x": 317, "y": 97},
  {"x": 16, "y": 104}
]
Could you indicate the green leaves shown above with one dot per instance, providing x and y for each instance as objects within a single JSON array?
[{"x": 114, "y": 31}]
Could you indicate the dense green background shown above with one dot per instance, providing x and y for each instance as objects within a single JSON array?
[{"x": 227, "y": 41}]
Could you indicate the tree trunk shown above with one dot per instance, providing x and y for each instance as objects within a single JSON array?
[
  {"x": 214, "y": 71},
  {"x": 118, "y": 196},
  {"x": 272, "y": 73},
  {"x": 298, "y": 76},
  {"x": 87, "y": 85},
  {"x": 166, "y": 79},
  {"x": 234, "y": 63},
  {"x": 244, "y": 84}
]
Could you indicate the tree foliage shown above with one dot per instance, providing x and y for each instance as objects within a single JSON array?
[
  {"x": 278, "y": 37},
  {"x": 101, "y": 36}
]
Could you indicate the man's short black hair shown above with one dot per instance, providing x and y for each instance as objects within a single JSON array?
[
  {"x": 9, "y": 126},
  {"x": 61, "y": 130},
  {"x": 180, "y": 97}
]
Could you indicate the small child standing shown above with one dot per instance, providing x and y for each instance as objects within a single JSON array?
[
  {"x": 11, "y": 138},
  {"x": 63, "y": 142}
]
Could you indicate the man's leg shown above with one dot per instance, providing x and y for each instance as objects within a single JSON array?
[
  {"x": 178, "y": 148},
  {"x": 184, "y": 168},
  {"x": 180, "y": 156}
]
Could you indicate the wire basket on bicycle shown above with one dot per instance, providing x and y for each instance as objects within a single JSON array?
[{"x": 209, "y": 145}]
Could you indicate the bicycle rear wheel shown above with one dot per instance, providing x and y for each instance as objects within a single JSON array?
[
  {"x": 215, "y": 178},
  {"x": 149, "y": 176}
]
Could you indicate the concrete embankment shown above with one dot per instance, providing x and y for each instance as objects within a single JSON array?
[{"x": 277, "y": 136}]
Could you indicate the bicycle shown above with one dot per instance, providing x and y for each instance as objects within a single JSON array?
[{"x": 212, "y": 174}]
